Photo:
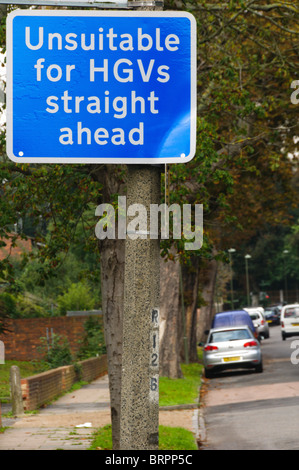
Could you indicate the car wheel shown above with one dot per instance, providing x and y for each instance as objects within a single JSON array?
[
  {"x": 259, "y": 368},
  {"x": 283, "y": 336},
  {"x": 208, "y": 374}
]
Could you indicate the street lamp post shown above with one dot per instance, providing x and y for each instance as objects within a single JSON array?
[
  {"x": 285, "y": 252},
  {"x": 230, "y": 251},
  {"x": 247, "y": 257}
]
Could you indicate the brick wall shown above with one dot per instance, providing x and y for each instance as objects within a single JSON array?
[
  {"x": 92, "y": 368},
  {"x": 40, "y": 389},
  {"x": 22, "y": 343}
]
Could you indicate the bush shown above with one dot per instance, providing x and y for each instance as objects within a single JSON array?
[
  {"x": 21, "y": 306},
  {"x": 78, "y": 297},
  {"x": 26, "y": 308},
  {"x": 56, "y": 353},
  {"x": 9, "y": 304},
  {"x": 93, "y": 343},
  {"x": 3, "y": 318}
]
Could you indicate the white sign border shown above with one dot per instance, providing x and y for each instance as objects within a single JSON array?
[{"x": 103, "y": 160}]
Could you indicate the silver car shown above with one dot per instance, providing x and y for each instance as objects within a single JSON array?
[
  {"x": 259, "y": 321},
  {"x": 232, "y": 347}
]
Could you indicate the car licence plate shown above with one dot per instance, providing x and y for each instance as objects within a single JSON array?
[
  {"x": 269, "y": 321},
  {"x": 295, "y": 324},
  {"x": 231, "y": 359}
]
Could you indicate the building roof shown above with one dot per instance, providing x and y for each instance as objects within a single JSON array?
[{"x": 21, "y": 246}]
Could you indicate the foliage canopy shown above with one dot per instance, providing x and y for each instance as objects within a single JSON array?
[{"x": 242, "y": 172}]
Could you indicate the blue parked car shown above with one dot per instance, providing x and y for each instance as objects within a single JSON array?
[{"x": 234, "y": 318}]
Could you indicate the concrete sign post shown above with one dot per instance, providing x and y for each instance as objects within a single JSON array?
[
  {"x": 100, "y": 87},
  {"x": 139, "y": 423}
]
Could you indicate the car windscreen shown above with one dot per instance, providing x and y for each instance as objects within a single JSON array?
[
  {"x": 291, "y": 312},
  {"x": 229, "y": 335}
]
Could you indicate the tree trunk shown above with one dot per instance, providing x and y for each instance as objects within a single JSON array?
[
  {"x": 112, "y": 253},
  {"x": 169, "y": 318},
  {"x": 191, "y": 285},
  {"x": 172, "y": 350},
  {"x": 112, "y": 279},
  {"x": 3, "y": 11},
  {"x": 207, "y": 282}
]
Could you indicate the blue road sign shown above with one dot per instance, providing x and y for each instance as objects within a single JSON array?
[{"x": 101, "y": 87}]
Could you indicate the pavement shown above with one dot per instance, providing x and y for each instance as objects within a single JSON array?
[{"x": 70, "y": 421}]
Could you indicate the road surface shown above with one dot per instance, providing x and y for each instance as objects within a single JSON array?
[{"x": 249, "y": 411}]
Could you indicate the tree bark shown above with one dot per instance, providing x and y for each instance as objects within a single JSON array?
[
  {"x": 191, "y": 286},
  {"x": 112, "y": 255},
  {"x": 169, "y": 319},
  {"x": 112, "y": 279},
  {"x": 207, "y": 282},
  {"x": 3, "y": 11}
]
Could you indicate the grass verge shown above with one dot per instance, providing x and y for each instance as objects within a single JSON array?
[
  {"x": 26, "y": 369},
  {"x": 172, "y": 392},
  {"x": 169, "y": 439},
  {"x": 181, "y": 391}
]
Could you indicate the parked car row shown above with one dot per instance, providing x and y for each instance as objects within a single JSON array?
[{"x": 234, "y": 341}]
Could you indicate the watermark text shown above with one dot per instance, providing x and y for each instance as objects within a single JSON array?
[
  {"x": 295, "y": 354},
  {"x": 136, "y": 222}
]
